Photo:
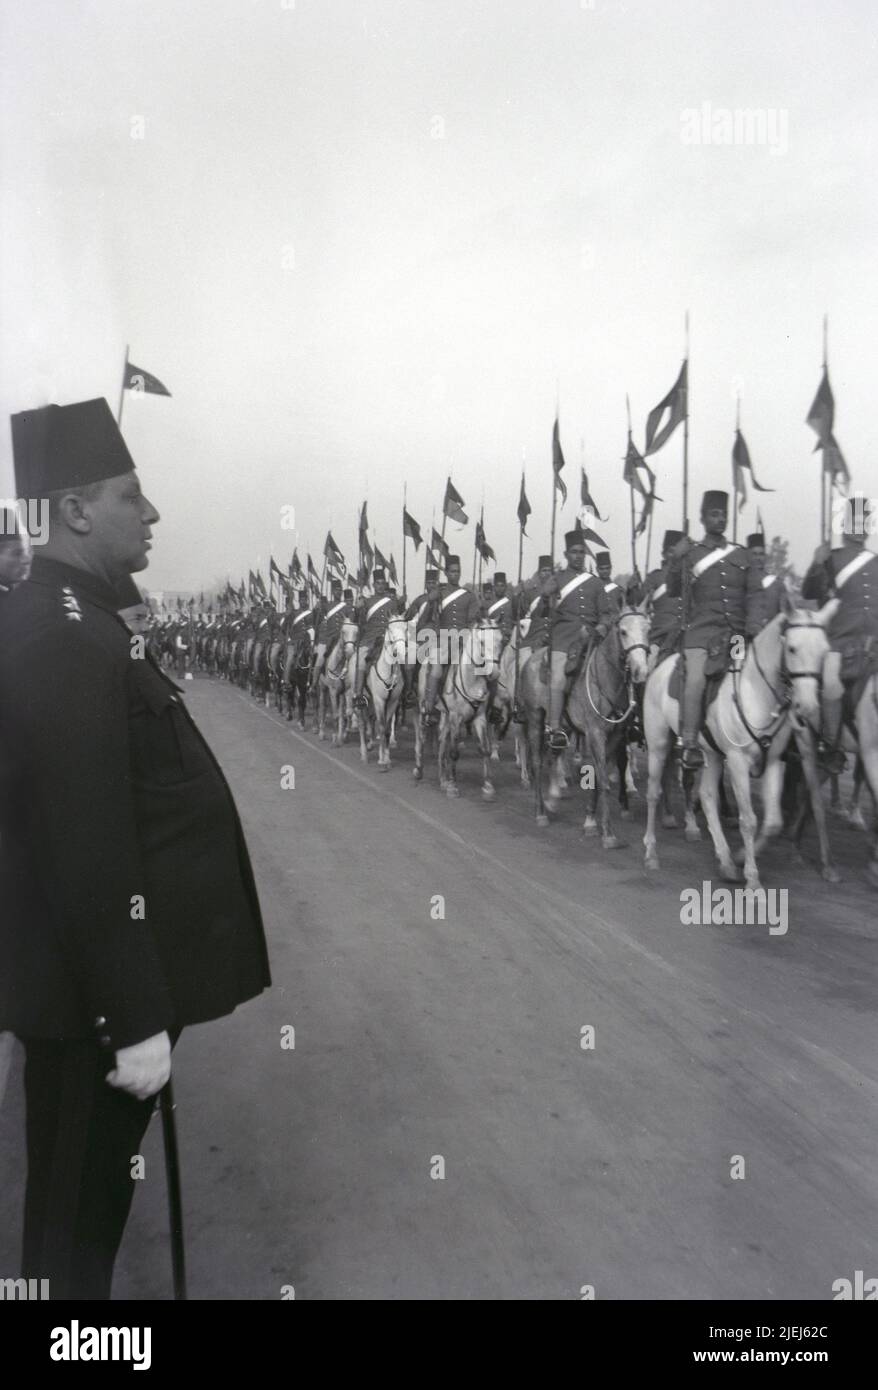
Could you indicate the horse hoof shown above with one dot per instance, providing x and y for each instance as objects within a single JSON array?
[
  {"x": 452, "y": 791},
  {"x": 693, "y": 834},
  {"x": 543, "y": 821},
  {"x": 651, "y": 863},
  {"x": 417, "y": 773},
  {"x": 625, "y": 814},
  {"x": 730, "y": 873},
  {"x": 856, "y": 820},
  {"x": 669, "y": 823},
  {"x": 552, "y": 803},
  {"x": 495, "y": 755},
  {"x": 525, "y": 782},
  {"x": 612, "y": 842},
  {"x": 589, "y": 826},
  {"x": 489, "y": 794},
  {"x": 830, "y": 874},
  {"x": 384, "y": 767}
]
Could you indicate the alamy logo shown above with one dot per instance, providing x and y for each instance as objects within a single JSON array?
[
  {"x": 27, "y": 1290},
  {"x": 738, "y": 907},
  {"x": 75, "y": 1343},
  {"x": 857, "y": 1289},
  {"x": 718, "y": 125}
]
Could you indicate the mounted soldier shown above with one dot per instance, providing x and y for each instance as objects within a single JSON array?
[
  {"x": 373, "y": 615},
  {"x": 502, "y": 608},
  {"x": 418, "y": 612},
  {"x": 454, "y": 610},
  {"x": 772, "y": 584},
  {"x": 850, "y": 573},
  {"x": 329, "y": 629},
  {"x": 665, "y": 610},
  {"x": 578, "y": 611},
  {"x": 614, "y": 592},
  {"x": 724, "y": 602}
]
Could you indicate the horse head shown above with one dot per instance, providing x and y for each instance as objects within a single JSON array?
[
  {"x": 804, "y": 645},
  {"x": 482, "y": 645},
  {"x": 349, "y": 634},
  {"x": 632, "y": 626}
]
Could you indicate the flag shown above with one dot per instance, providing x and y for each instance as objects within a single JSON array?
[
  {"x": 740, "y": 465},
  {"x": 524, "y": 507},
  {"x": 439, "y": 546},
  {"x": 558, "y": 461},
  {"x": 380, "y": 561},
  {"x": 482, "y": 545},
  {"x": 366, "y": 557},
  {"x": 834, "y": 464},
  {"x": 136, "y": 379},
  {"x": 313, "y": 576},
  {"x": 334, "y": 557},
  {"x": 411, "y": 529},
  {"x": 453, "y": 504},
  {"x": 295, "y": 567},
  {"x": 273, "y": 569},
  {"x": 587, "y": 499},
  {"x": 252, "y": 590},
  {"x": 821, "y": 416},
  {"x": 658, "y": 433},
  {"x": 391, "y": 570},
  {"x": 242, "y": 594},
  {"x": 648, "y": 503},
  {"x": 260, "y": 583},
  {"x": 591, "y": 535},
  {"x": 633, "y": 462}
]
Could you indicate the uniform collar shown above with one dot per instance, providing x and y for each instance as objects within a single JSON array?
[
  {"x": 713, "y": 542},
  {"x": 56, "y": 574}
]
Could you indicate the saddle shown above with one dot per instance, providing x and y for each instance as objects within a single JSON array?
[{"x": 714, "y": 670}]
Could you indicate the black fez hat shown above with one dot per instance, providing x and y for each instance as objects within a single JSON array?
[
  {"x": 757, "y": 539},
  {"x": 377, "y": 574},
  {"x": 303, "y": 593},
  {"x": 335, "y": 582},
  {"x": 576, "y": 537},
  {"x": 67, "y": 446},
  {"x": 545, "y": 563},
  {"x": 671, "y": 538},
  {"x": 715, "y": 498},
  {"x": 602, "y": 555},
  {"x": 452, "y": 560},
  {"x": 348, "y": 593},
  {"x": 431, "y": 576},
  {"x": 499, "y": 576},
  {"x": 10, "y": 526}
]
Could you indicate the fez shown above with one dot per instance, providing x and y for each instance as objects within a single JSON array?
[
  {"x": 452, "y": 560},
  {"x": 431, "y": 576},
  {"x": 713, "y": 499},
  {"x": 574, "y": 538},
  {"x": 545, "y": 563},
  {"x": 603, "y": 557},
  {"x": 756, "y": 540},
  {"x": 348, "y": 594},
  {"x": 377, "y": 574},
  {"x": 499, "y": 577},
  {"x": 671, "y": 538},
  {"x": 67, "y": 446}
]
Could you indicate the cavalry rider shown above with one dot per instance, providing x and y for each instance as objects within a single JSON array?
[
  {"x": 373, "y": 616},
  {"x": 665, "y": 611},
  {"x": 724, "y": 601},
  {"x": 614, "y": 592},
  {"x": 772, "y": 584},
  {"x": 580, "y": 611},
  {"x": 503, "y": 608},
  {"x": 329, "y": 628},
  {"x": 850, "y": 573},
  {"x": 452, "y": 611},
  {"x": 303, "y": 620},
  {"x": 419, "y": 612}
]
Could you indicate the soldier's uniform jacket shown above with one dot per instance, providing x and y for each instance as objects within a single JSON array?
[
  {"x": 615, "y": 596},
  {"x": 502, "y": 611},
  {"x": 725, "y": 591},
  {"x": 581, "y": 601},
  {"x": 535, "y": 608},
  {"x": 851, "y": 574},
  {"x": 330, "y": 627},
  {"x": 374, "y": 614},
  {"x": 456, "y": 608},
  {"x": 772, "y": 596},
  {"x": 665, "y": 610},
  {"x": 300, "y": 623},
  {"x": 110, "y": 793},
  {"x": 419, "y": 609}
]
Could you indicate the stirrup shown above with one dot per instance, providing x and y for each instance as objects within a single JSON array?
[
  {"x": 557, "y": 740},
  {"x": 691, "y": 757}
]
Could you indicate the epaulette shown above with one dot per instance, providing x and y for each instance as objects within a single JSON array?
[{"x": 73, "y": 612}]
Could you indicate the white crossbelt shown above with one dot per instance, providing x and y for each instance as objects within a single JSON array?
[
  {"x": 610, "y": 586},
  {"x": 497, "y": 604},
  {"x": 301, "y": 617},
  {"x": 768, "y": 580},
  {"x": 375, "y": 606},
  {"x": 449, "y": 598},
  {"x": 334, "y": 610},
  {"x": 707, "y": 560},
  {"x": 572, "y": 584},
  {"x": 659, "y": 592},
  {"x": 864, "y": 557}
]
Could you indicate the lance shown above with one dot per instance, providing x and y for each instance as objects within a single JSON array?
[
  {"x": 175, "y": 1202},
  {"x": 122, "y": 389},
  {"x": 518, "y": 600},
  {"x": 404, "y": 505},
  {"x": 631, "y": 493}
]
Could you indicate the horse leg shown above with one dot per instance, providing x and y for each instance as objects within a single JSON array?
[
  {"x": 483, "y": 736},
  {"x": 622, "y": 767},
  {"x": 535, "y": 735},
  {"x": 608, "y": 839},
  {"x": 669, "y": 820},
  {"x": 709, "y": 797},
  {"x": 657, "y": 754}
]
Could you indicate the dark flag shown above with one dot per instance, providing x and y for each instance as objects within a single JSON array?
[
  {"x": 453, "y": 504},
  {"x": 634, "y": 461},
  {"x": 439, "y": 546},
  {"x": 366, "y": 557},
  {"x": 742, "y": 465},
  {"x": 252, "y": 591},
  {"x": 260, "y": 583},
  {"x": 558, "y": 461},
  {"x": 834, "y": 463},
  {"x": 648, "y": 503},
  {"x": 136, "y": 379},
  {"x": 334, "y": 557},
  {"x": 591, "y": 535},
  {"x": 482, "y": 545},
  {"x": 313, "y": 576},
  {"x": 295, "y": 567},
  {"x": 587, "y": 499},
  {"x": 411, "y": 529},
  {"x": 524, "y": 507},
  {"x": 273, "y": 569},
  {"x": 391, "y": 570},
  {"x": 659, "y": 426},
  {"x": 380, "y": 561},
  {"x": 821, "y": 416}
]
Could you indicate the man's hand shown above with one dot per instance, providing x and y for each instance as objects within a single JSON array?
[
  {"x": 822, "y": 554},
  {"x": 143, "y": 1069},
  {"x": 682, "y": 547},
  {"x": 549, "y": 587}
]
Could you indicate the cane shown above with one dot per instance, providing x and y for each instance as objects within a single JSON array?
[{"x": 175, "y": 1203}]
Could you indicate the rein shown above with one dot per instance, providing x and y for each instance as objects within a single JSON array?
[{"x": 621, "y": 674}]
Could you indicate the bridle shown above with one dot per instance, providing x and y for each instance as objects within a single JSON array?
[{"x": 623, "y": 671}]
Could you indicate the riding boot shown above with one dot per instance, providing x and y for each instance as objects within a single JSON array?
[
  {"x": 693, "y": 697},
  {"x": 829, "y": 753}
]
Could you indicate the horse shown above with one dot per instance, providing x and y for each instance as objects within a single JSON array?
[
  {"x": 533, "y": 689},
  {"x": 747, "y": 725},
  {"x": 296, "y": 675},
  {"x": 258, "y": 670},
  {"x": 384, "y": 685},
  {"x": 331, "y": 683},
  {"x": 600, "y": 707},
  {"x": 501, "y": 708},
  {"x": 464, "y": 704}
]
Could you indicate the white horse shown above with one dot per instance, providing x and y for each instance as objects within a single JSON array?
[
  {"x": 384, "y": 685},
  {"x": 504, "y": 699},
  {"x": 464, "y": 704},
  {"x": 748, "y": 722}
]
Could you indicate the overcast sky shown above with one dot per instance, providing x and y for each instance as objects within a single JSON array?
[{"x": 365, "y": 243}]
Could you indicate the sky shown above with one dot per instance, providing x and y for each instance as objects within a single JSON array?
[{"x": 371, "y": 243}]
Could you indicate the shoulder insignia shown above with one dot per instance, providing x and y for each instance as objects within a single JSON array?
[{"x": 70, "y": 602}]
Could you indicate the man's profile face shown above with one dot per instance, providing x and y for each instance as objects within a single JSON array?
[
  {"x": 122, "y": 519},
  {"x": 15, "y": 558}
]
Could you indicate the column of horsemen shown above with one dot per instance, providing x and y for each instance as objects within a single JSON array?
[{"x": 707, "y": 601}]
